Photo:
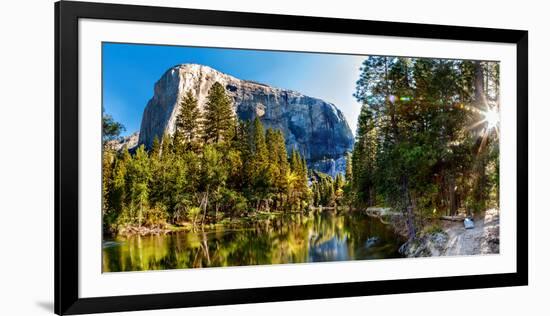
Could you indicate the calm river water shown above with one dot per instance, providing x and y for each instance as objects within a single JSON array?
[{"x": 293, "y": 238}]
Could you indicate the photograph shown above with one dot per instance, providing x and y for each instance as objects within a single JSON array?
[
  {"x": 225, "y": 157},
  {"x": 275, "y": 158}
]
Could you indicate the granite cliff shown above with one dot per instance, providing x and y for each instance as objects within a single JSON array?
[
  {"x": 316, "y": 128},
  {"x": 130, "y": 142}
]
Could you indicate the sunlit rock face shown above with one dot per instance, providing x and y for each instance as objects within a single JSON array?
[
  {"x": 129, "y": 142},
  {"x": 316, "y": 128}
]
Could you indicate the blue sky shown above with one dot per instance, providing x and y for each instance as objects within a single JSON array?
[{"x": 131, "y": 70}]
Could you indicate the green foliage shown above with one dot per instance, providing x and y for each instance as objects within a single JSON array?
[
  {"x": 421, "y": 147},
  {"x": 326, "y": 191},
  {"x": 349, "y": 168},
  {"x": 278, "y": 160},
  {"x": 192, "y": 214},
  {"x": 432, "y": 229},
  {"x": 297, "y": 181},
  {"x": 259, "y": 173},
  {"x": 138, "y": 177},
  {"x": 214, "y": 172},
  {"x": 110, "y": 128},
  {"x": 156, "y": 216},
  {"x": 240, "y": 169},
  {"x": 219, "y": 119},
  {"x": 421, "y": 143},
  {"x": 234, "y": 203},
  {"x": 188, "y": 124}
]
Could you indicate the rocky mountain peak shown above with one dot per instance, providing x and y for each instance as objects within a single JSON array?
[{"x": 318, "y": 129}]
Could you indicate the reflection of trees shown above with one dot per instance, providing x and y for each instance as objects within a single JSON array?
[
  {"x": 111, "y": 259},
  {"x": 285, "y": 239}
]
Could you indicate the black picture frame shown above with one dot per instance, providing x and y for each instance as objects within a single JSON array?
[{"x": 67, "y": 15}]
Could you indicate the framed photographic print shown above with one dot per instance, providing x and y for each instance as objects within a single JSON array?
[{"x": 208, "y": 157}]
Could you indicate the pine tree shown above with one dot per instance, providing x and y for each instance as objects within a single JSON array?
[
  {"x": 273, "y": 171},
  {"x": 338, "y": 182},
  {"x": 260, "y": 147},
  {"x": 260, "y": 175},
  {"x": 418, "y": 142},
  {"x": 157, "y": 172},
  {"x": 188, "y": 123},
  {"x": 315, "y": 193},
  {"x": 278, "y": 164},
  {"x": 177, "y": 184},
  {"x": 118, "y": 193},
  {"x": 295, "y": 160},
  {"x": 349, "y": 168},
  {"x": 138, "y": 177},
  {"x": 166, "y": 145},
  {"x": 111, "y": 129},
  {"x": 219, "y": 118},
  {"x": 278, "y": 151},
  {"x": 107, "y": 166},
  {"x": 214, "y": 175},
  {"x": 299, "y": 186},
  {"x": 364, "y": 156},
  {"x": 155, "y": 149},
  {"x": 243, "y": 146}
]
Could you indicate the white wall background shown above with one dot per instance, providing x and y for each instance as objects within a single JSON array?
[{"x": 26, "y": 156}]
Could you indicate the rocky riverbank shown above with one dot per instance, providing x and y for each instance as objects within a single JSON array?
[
  {"x": 444, "y": 237},
  {"x": 144, "y": 230},
  {"x": 452, "y": 239}
]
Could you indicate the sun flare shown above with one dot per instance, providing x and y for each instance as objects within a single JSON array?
[{"x": 492, "y": 118}]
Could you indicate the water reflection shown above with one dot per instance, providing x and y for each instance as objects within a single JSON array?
[{"x": 294, "y": 238}]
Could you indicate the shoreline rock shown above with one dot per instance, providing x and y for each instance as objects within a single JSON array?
[
  {"x": 429, "y": 245},
  {"x": 453, "y": 239},
  {"x": 456, "y": 240},
  {"x": 143, "y": 231}
]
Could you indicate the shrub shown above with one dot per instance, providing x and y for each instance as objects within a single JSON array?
[
  {"x": 233, "y": 202},
  {"x": 156, "y": 216},
  {"x": 432, "y": 229},
  {"x": 192, "y": 213}
]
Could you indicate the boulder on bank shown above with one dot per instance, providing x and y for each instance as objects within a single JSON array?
[
  {"x": 429, "y": 245},
  {"x": 372, "y": 241}
]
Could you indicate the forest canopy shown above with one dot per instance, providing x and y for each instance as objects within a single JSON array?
[
  {"x": 427, "y": 136},
  {"x": 426, "y": 145},
  {"x": 213, "y": 167}
]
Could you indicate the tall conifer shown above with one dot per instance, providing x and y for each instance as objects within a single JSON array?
[{"x": 219, "y": 118}]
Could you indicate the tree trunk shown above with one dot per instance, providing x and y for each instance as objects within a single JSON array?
[
  {"x": 372, "y": 196},
  {"x": 452, "y": 196},
  {"x": 410, "y": 222},
  {"x": 479, "y": 85},
  {"x": 409, "y": 208},
  {"x": 140, "y": 212},
  {"x": 205, "y": 204},
  {"x": 480, "y": 99}
]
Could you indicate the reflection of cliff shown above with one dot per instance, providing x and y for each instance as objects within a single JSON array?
[{"x": 316, "y": 128}]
